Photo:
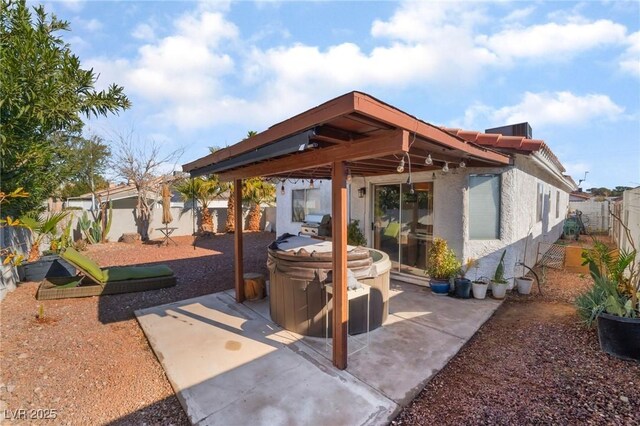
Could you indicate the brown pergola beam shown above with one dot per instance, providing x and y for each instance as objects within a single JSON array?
[
  {"x": 383, "y": 144},
  {"x": 339, "y": 249},
  {"x": 238, "y": 258}
]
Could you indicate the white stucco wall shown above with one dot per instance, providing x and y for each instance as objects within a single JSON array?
[
  {"x": 594, "y": 212},
  {"x": 284, "y": 211},
  {"x": 519, "y": 227}
]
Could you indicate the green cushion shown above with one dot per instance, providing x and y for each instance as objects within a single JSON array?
[
  {"x": 392, "y": 230},
  {"x": 84, "y": 263},
  {"x": 123, "y": 273}
]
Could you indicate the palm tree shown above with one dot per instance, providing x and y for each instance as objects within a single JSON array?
[
  {"x": 230, "y": 226},
  {"x": 41, "y": 227},
  {"x": 204, "y": 190},
  {"x": 257, "y": 191}
]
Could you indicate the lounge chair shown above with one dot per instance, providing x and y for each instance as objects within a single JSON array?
[{"x": 96, "y": 281}]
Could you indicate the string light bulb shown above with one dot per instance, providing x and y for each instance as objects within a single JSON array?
[
  {"x": 311, "y": 185},
  {"x": 400, "y": 167},
  {"x": 349, "y": 177},
  {"x": 428, "y": 161},
  {"x": 463, "y": 164},
  {"x": 445, "y": 168},
  {"x": 282, "y": 189}
]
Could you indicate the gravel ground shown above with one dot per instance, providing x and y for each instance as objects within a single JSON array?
[
  {"x": 532, "y": 363},
  {"x": 89, "y": 360}
]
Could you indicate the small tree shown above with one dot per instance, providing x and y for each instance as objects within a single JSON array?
[
  {"x": 140, "y": 163},
  {"x": 44, "y": 95},
  {"x": 230, "y": 226},
  {"x": 204, "y": 190}
]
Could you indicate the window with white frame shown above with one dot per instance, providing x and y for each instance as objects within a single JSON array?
[
  {"x": 304, "y": 202},
  {"x": 557, "y": 204},
  {"x": 484, "y": 207},
  {"x": 539, "y": 202}
]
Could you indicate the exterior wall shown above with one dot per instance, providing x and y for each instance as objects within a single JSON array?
[
  {"x": 594, "y": 213},
  {"x": 16, "y": 239},
  {"x": 629, "y": 212},
  {"x": 519, "y": 228},
  {"x": 283, "y": 201}
]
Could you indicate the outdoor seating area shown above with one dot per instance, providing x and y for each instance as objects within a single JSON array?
[{"x": 96, "y": 281}]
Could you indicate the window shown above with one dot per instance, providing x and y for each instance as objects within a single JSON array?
[
  {"x": 557, "y": 204},
  {"x": 540, "y": 202},
  {"x": 484, "y": 207},
  {"x": 304, "y": 202}
]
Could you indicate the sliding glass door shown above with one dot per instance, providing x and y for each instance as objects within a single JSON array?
[{"x": 403, "y": 224}]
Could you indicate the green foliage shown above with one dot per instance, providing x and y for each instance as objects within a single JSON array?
[
  {"x": 87, "y": 160},
  {"x": 44, "y": 94},
  {"x": 43, "y": 226},
  {"x": 257, "y": 191},
  {"x": 498, "y": 277},
  {"x": 205, "y": 189},
  {"x": 355, "y": 237},
  {"x": 611, "y": 264},
  {"x": 93, "y": 229},
  {"x": 603, "y": 297},
  {"x": 63, "y": 240},
  {"x": 443, "y": 263}
]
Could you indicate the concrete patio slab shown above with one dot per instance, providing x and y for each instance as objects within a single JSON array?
[
  {"x": 228, "y": 363},
  {"x": 230, "y": 366}
]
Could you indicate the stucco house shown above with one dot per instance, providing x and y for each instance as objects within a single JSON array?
[{"x": 480, "y": 211}]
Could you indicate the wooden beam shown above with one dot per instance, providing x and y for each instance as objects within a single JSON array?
[
  {"x": 339, "y": 250},
  {"x": 384, "y": 143},
  {"x": 238, "y": 259}
]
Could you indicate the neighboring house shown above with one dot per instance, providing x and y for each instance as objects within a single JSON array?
[
  {"x": 410, "y": 182},
  {"x": 579, "y": 196}
]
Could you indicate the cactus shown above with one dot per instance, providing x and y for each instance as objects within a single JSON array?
[
  {"x": 499, "y": 275},
  {"x": 85, "y": 226},
  {"x": 107, "y": 225}
]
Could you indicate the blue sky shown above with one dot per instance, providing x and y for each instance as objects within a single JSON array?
[{"x": 202, "y": 74}]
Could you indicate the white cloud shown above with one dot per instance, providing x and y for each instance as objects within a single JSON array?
[
  {"x": 144, "y": 32},
  {"x": 93, "y": 25},
  {"x": 552, "y": 40},
  {"x": 630, "y": 60},
  {"x": 546, "y": 108},
  {"x": 518, "y": 15}
]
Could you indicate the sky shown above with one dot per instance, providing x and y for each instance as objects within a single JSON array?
[{"x": 202, "y": 74}]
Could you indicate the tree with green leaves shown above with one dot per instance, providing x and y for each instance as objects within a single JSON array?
[
  {"x": 257, "y": 191},
  {"x": 44, "y": 95},
  {"x": 230, "y": 226},
  {"x": 205, "y": 190}
]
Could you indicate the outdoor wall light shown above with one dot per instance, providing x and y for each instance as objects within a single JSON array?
[
  {"x": 463, "y": 164},
  {"x": 400, "y": 167},
  {"x": 445, "y": 168},
  {"x": 362, "y": 192},
  {"x": 428, "y": 161}
]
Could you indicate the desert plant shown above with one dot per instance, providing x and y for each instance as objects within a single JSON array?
[
  {"x": 257, "y": 191},
  {"x": 40, "y": 228},
  {"x": 498, "y": 277},
  {"x": 204, "y": 190},
  {"x": 355, "y": 237},
  {"x": 96, "y": 231},
  {"x": 467, "y": 266},
  {"x": 443, "y": 263}
]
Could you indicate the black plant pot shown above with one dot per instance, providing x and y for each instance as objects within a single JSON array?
[
  {"x": 47, "y": 266},
  {"x": 463, "y": 288},
  {"x": 619, "y": 336}
]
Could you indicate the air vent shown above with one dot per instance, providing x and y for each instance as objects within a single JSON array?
[{"x": 521, "y": 129}]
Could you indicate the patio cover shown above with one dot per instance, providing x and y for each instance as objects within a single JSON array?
[{"x": 354, "y": 133}]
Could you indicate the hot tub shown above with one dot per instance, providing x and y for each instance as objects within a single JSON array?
[{"x": 299, "y": 269}]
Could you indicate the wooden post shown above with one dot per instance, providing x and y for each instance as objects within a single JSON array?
[
  {"x": 339, "y": 249},
  {"x": 239, "y": 270}
]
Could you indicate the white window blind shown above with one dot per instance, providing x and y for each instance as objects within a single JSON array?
[
  {"x": 484, "y": 207},
  {"x": 557, "y": 204},
  {"x": 539, "y": 202}
]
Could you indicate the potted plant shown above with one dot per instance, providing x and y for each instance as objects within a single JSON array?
[
  {"x": 524, "y": 285},
  {"x": 499, "y": 283},
  {"x": 612, "y": 302},
  {"x": 463, "y": 284},
  {"x": 442, "y": 267},
  {"x": 38, "y": 267}
]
